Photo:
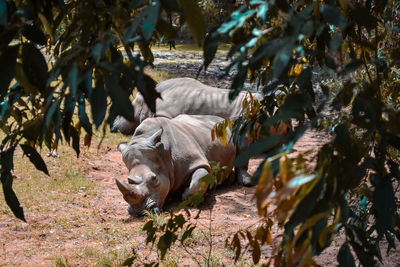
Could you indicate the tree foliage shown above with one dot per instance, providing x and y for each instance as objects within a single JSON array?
[
  {"x": 283, "y": 46},
  {"x": 58, "y": 56}
]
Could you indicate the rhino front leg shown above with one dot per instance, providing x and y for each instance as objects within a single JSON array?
[
  {"x": 195, "y": 183},
  {"x": 242, "y": 176}
]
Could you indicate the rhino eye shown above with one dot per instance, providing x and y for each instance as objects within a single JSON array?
[{"x": 152, "y": 178}]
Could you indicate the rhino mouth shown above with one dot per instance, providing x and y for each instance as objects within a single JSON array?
[{"x": 149, "y": 206}]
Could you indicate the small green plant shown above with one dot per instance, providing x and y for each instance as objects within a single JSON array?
[{"x": 61, "y": 262}]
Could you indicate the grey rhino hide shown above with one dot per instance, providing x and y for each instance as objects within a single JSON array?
[
  {"x": 164, "y": 155},
  {"x": 183, "y": 96}
]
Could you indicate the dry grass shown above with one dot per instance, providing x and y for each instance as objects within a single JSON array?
[{"x": 188, "y": 48}]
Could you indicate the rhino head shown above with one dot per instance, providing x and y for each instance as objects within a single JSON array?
[{"x": 148, "y": 180}]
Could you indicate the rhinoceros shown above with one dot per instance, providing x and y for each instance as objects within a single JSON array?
[
  {"x": 166, "y": 155},
  {"x": 183, "y": 96},
  {"x": 188, "y": 96}
]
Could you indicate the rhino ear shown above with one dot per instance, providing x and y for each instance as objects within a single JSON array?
[
  {"x": 155, "y": 138},
  {"x": 121, "y": 147},
  {"x": 153, "y": 180}
]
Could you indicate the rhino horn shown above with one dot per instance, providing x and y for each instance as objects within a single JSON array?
[
  {"x": 127, "y": 189},
  {"x": 156, "y": 137}
]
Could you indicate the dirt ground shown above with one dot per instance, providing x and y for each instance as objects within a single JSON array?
[
  {"x": 43, "y": 242},
  {"x": 91, "y": 227}
]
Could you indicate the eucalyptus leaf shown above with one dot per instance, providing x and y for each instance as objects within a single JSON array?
[
  {"x": 10, "y": 196},
  {"x": 35, "y": 158},
  {"x": 3, "y": 12},
  {"x": 34, "y": 34},
  {"x": 98, "y": 103},
  {"x": 7, "y": 68},
  {"x": 194, "y": 19},
  {"x": 83, "y": 118},
  {"x": 333, "y": 16}
]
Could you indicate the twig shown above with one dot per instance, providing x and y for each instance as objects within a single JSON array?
[{"x": 210, "y": 241}]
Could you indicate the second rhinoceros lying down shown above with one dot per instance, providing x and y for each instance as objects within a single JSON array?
[
  {"x": 166, "y": 155},
  {"x": 183, "y": 96}
]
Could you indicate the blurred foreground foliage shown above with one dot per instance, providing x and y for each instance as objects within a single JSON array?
[
  {"x": 283, "y": 47},
  {"x": 58, "y": 56}
]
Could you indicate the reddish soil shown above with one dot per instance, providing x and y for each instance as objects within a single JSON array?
[{"x": 229, "y": 208}]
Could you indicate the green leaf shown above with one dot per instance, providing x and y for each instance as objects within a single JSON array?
[
  {"x": 187, "y": 233},
  {"x": 69, "y": 106},
  {"x": 167, "y": 29},
  {"x": 262, "y": 8},
  {"x": 149, "y": 24},
  {"x": 129, "y": 261},
  {"x": 194, "y": 19},
  {"x": 257, "y": 148},
  {"x": 237, "y": 19},
  {"x": 363, "y": 17},
  {"x": 35, "y": 158},
  {"x": 210, "y": 47},
  {"x": 150, "y": 229},
  {"x": 31, "y": 128},
  {"x": 98, "y": 103},
  {"x": 344, "y": 257},
  {"x": 147, "y": 53},
  {"x": 384, "y": 207},
  {"x": 57, "y": 123},
  {"x": 281, "y": 60},
  {"x": 270, "y": 49},
  {"x": 75, "y": 139},
  {"x": 351, "y": 67},
  {"x": 147, "y": 89},
  {"x": 3, "y": 12},
  {"x": 165, "y": 242},
  {"x": 305, "y": 208},
  {"x": 171, "y": 5},
  {"x": 10, "y": 196},
  {"x": 73, "y": 80},
  {"x": 48, "y": 117},
  {"x": 256, "y": 251},
  {"x": 35, "y": 67},
  {"x": 131, "y": 30},
  {"x": 300, "y": 180},
  {"x": 7, "y": 159},
  {"x": 120, "y": 97},
  {"x": 236, "y": 246},
  {"x": 86, "y": 84},
  {"x": 336, "y": 42},
  {"x": 366, "y": 258},
  {"x": 7, "y": 68},
  {"x": 304, "y": 81},
  {"x": 34, "y": 34},
  {"x": 7, "y": 164},
  {"x": 333, "y": 16},
  {"x": 83, "y": 118}
]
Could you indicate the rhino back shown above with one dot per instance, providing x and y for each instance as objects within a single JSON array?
[{"x": 189, "y": 96}]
